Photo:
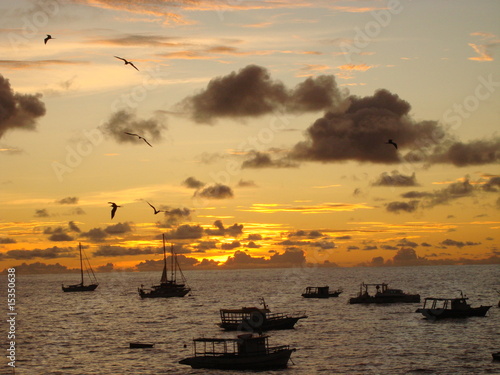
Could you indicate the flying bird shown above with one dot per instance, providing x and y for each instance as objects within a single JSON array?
[
  {"x": 127, "y": 62},
  {"x": 137, "y": 135},
  {"x": 47, "y": 38},
  {"x": 391, "y": 142},
  {"x": 113, "y": 210},
  {"x": 156, "y": 211}
]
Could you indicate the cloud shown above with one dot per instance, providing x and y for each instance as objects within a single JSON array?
[
  {"x": 217, "y": 191},
  {"x": 246, "y": 183},
  {"x": 117, "y": 251},
  {"x": 230, "y": 246},
  {"x": 174, "y": 216},
  {"x": 290, "y": 258},
  {"x": 395, "y": 179},
  {"x": 260, "y": 159},
  {"x": 48, "y": 253},
  {"x": 234, "y": 230},
  {"x": 18, "y": 111},
  {"x": 67, "y": 200},
  {"x": 41, "y": 213},
  {"x": 185, "y": 231},
  {"x": 193, "y": 183},
  {"x": 476, "y": 152},
  {"x": 459, "y": 244},
  {"x": 119, "y": 228},
  {"x": 95, "y": 235},
  {"x": 396, "y": 207},
  {"x": 358, "y": 129},
  {"x": 251, "y": 92},
  {"x": 125, "y": 121},
  {"x": 6, "y": 240},
  {"x": 42, "y": 268}
]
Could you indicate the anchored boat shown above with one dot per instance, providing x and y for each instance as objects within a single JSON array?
[
  {"x": 383, "y": 294},
  {"x": 442, "y": 308},
  {"x": 320, "y": 292},
  {"x": 246, "y": 352},
  {"x": 81, "y": 287},
  {"x": 168, "y": 287},
  {"x": 256, "y": 319}
]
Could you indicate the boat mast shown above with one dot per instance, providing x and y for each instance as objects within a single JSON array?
[
  {"x": 164, "y": 273},
  {"x": 81, "y": 261},
  {"x": 172, "y": 272}
]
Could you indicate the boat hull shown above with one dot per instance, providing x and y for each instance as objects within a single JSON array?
[
  {"x": 276, "y": 360},
  {"x": 435, "y": 314},
  {"x": 261, "y": 325},
  {"x": 315, "y": 295},
  {"x": 79, "y": 288},
  {"x": 164, "y": 293}
]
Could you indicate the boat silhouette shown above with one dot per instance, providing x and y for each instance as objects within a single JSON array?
[{"x": 81, "y": 287}]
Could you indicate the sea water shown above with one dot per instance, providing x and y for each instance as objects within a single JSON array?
[{"x": 89, "y": 332}]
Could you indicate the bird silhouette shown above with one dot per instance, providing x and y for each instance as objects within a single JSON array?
[
  {"x": 156, "y": 211},
  {"x": 127, "y": 62},
  {"x": 137, "y": 135},
  {"x": 47, "y": 38},
  {"x": 113, "y": 210},
  {"x": 391, "y": 142}
]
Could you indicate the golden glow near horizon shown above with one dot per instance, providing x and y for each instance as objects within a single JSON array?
[{"x": 268, "y": 148}]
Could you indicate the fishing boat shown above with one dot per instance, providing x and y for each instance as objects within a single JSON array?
[
  {"x": 81, "y": 287},
  {"x": 168, "y": 287},
  {"x": 257, "y": 319},
  {"x": 383, "y": 294},
  {"x": 246, "y": 352},
  {"x": 442, "y": 308},
  {"x": 320, "y": 292},
  {"x": 140, "y": 345}
]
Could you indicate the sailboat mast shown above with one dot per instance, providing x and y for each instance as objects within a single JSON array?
[
  {"x": 164, "y": 273},
  {"x": 81, "y": 261},
  {"x": 172, "y": 276}
]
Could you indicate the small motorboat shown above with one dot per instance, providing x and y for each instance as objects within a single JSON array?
[
  {"x": 320, "y": 292},
  {"x": 441, "y": 308},
  {"x": 383, "y": 294},
  {"x": 246, "y": 352},
  {"x": 140, "y": 345}
]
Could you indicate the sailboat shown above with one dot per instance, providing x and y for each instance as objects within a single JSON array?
[
  {"x": 167, "y": 287},
  {"x": 81, "y": 287}
]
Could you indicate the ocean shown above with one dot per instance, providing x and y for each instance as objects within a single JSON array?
[{"x": 89, "y": 333}]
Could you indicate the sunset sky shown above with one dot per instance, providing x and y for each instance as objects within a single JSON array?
[{"x": 268, "y": 123}]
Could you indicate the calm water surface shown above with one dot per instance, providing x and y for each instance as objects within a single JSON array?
[{"x": 89, "y": 333}]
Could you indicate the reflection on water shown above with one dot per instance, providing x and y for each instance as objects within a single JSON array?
[{"x": 89, "y": 333}]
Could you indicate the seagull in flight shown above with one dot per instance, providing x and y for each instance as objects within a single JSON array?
[
  {"x": 113, "y": 210},
  {"x": 127, "y": 62},
  {"x": 156, "y": 211},
  {"x": 391, "y": 142},
  {"x": 137, "y": 135},
  {"x": 47, "y": 38}
]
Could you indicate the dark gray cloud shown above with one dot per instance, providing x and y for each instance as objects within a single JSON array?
[
  {"x": 119, "y": 228},
  {"x": 388, "y": 247},
  {"x": 42, "y": 268},
  {"x": 116, "y": 251},
  {"x": 95, "y": 235},
  {"x": 492, "y": 185},
  {"x": 217, "y": 191},
  {"x": 73, "y": 227},
  {"x": 359, "y": 128},
  {"x": 246, "y": 183},
  {"x": 6, "y": 240},
  {"x": 477, "y": 152},
  {"x": 42, "y": 213},
  {"x": 185, "y": 231},
  {"x": 251, "y": 92},
  {"x": 59, "y": 233},
  {"x": 395, "y": 179},
  {"x": 459, "y": 244},
  {"x": 193, "y": 183},
  {"x": 234, "y": 230},
  {"x": 126, "y": 121},
  {"x": 18, "y": 111},
  {"x": 230, "y": 246},
  {"x": 405, "y": 242},
  {"x": 68, "y": 200},
  {"x": 396, "y": 207},
  {"x": 257, "y": 159},
  {"x": 49, "y": 253},
  {"x": 174, "y": 216},
  {"x": 343, "y": 238}
]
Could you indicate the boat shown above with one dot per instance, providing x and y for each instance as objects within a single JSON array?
[
  {"x": 246, "y": 352},
  {"x": 257, "y": 319},
  {"x": 496, "y": 356},
  {"x": 81, "y": 287},
  {"x": 320, "y": 292},
  {"x": 140, "y": 345},
  {"x": 383, "y": 294},
  {"x": 442, "y": 308},
  {"x": 167, "y": 287}
]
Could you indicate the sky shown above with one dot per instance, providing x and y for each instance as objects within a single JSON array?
[{"x": 261, "y": 129}]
